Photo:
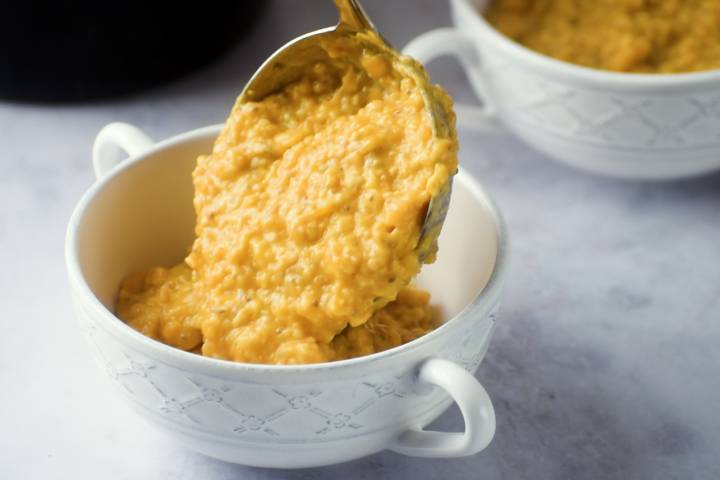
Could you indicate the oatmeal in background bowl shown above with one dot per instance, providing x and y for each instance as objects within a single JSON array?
[{"x": 640, "y": 36}]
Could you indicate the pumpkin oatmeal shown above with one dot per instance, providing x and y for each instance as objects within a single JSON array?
[
  {"x": 641, "y": 36},
  {"x": 309, "y": 210}
]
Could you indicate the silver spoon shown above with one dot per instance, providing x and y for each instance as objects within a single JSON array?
[{"x": 289, "y": 63}]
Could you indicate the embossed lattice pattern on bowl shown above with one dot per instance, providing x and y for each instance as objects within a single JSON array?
[{"x": 289, "y": 413}]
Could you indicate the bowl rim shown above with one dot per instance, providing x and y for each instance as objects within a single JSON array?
[
  {"x": 469, "y": 9},
  {"x": 481, "y": 303}
]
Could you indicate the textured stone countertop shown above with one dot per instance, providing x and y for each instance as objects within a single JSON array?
[{"x": 606, "y": 360}]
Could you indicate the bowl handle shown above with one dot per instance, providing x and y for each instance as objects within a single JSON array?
[
  {"x": 112, "y": 137},
  {"x": 450, "y": 41},
  {"x": 476, "y": 408}
]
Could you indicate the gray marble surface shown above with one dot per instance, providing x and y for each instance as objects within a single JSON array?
[{"x": 605, "y": 363}]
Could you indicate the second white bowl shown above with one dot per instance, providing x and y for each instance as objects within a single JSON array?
[{"x": 639, "y": 126}]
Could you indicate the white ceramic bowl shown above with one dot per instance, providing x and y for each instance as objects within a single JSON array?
[
  {"x": 626, "y": 125},
  {"x": 139, "y": 214}
]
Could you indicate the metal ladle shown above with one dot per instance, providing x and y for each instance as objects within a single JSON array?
[{"x": 289, "y": 63}]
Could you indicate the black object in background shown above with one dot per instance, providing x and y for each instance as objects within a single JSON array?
[{"x": 80, "y": 50}]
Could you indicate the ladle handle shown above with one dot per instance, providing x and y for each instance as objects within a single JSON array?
[{"x": 353, "y": 16}]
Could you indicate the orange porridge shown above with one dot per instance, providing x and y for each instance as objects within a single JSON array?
[{"x": 309, "y": 211}]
